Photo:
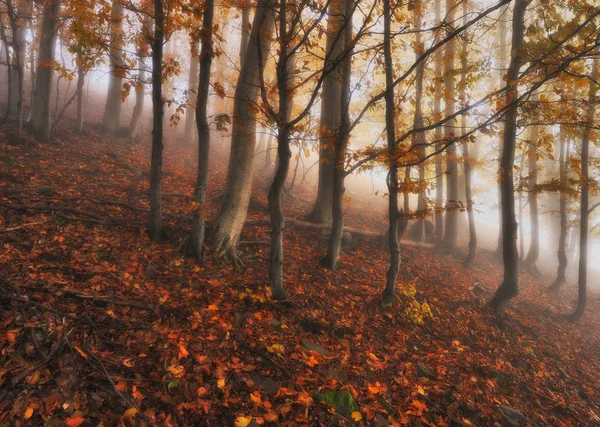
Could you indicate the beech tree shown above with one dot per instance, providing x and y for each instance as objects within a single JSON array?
[
  {"x": 155, "y": 229},
  {"x": 230, "y": 220},
  {"x": 39, "y": 117},
  {"x": 510, "y": 284},
  {"x": 112, "y": 110},
  {"x": 585, "y": 203},
  {"x": 198, "y": 223}
]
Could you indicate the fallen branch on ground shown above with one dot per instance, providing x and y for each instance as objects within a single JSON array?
[{"x": 352, "y": 230}]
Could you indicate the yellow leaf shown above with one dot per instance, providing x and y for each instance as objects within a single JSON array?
[
  {"x": 221, "y": 383},
  {"x": 130, "y": 413},
  {"x": 243, "y": 421},
  {"x": 28, "y": 413},
  {"x": 356, "y": 416}
]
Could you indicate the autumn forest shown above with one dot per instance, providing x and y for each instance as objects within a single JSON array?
[{"x": 299, "y": 212}]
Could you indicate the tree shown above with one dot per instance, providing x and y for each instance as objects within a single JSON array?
[
  {"x": 112, "y": 111},
  {"x": 143, "y": 51},
  {"x": 437, "y": 112},
  {"x": 198, "y": 223},
  {"x": 232, "y": 214},
  {"x": 585, "y": 204},
  {"x": 155, "y": 230},
  {"x": 340, "y": 142},
  {"x": 331, "y": 114},
  {"x": 470, "y": 259},
  {"x": 452, "y": 203},
  {"x": 510, "y": 284},
  {"x": 389, "y": 292},
  {"x": 501, "y": 57},
  {"x": 532, "y": 181},
  {"x": 563, "y": 261},
  {"x": 190, "y": 108},
  {"x": 40, "y": 120}
]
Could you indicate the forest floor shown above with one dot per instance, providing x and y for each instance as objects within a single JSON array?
[{"x": 100, "y": 325}]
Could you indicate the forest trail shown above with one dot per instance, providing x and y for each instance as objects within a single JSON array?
[{"x": 98, "y": 324}]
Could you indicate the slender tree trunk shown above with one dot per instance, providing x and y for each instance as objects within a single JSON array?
[
  {"x": 190, "y": 109},
  {"x": 143, "y": 51},
  {"x": 437, "y": 111},
  {"x": 534, "y": 221},
  {"x": 155, "y": 221},
  {"x": 585, "y": 205},
  {"x": 112, "y": 110},
  {"x": 40, "y": 120},
  {"x": 9, "y": 68},
  {"x": 199, "y": 221},
  {"x": 340, "y": 147},
  {"x": 510, "y": 285},
  {"x": 563, "y": 261},
  {"x": 19, "y": 20},
  {"x": 521, "y": 209},
  {"x": 502, "y": 25},
  {"x": 331, "y": 114},
  {"x": 452, "y": 202},
  {"x": 389, "y": 292},
  {"x": 232, "y": 215},
  {"x": 80, "y": 83},
  {"x": 470, "y": 260},
  {"x": 419, "y": 138}
]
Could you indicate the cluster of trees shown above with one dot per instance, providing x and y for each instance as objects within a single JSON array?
[{"x": 455, "y": 82}]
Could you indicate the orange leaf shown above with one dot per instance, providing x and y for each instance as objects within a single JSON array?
[{"x": 74, "y": 422}]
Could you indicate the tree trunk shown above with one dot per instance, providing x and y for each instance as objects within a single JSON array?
[
  {"x": 155, "y": 220},
  {"x": 502, "y": 17},
  {"x": 269, "y": 154},
  {"x": 143, "y": 50},
  {"x": 534, "y": 221},
  {"x": 331, "y": 114},
  {"x": 437, "y": 111},
  {"x": 40, "y": 120},
  {"x": 6, "y": 57},
  {"x": 190, "y": 115},
  {"x": 389, "y": 292},
  {"x": 199, "y": 221},
  {"x": 340, "y": 146},
  {"x": 521, "y": 209},
  {"x": 563, "y": 261},
  {"x": 112, "y": 110},
  {"x": 470, "y": 260},
  {"x": 419, "y": 138},
  {"x": 80, "y": 83},
  {"x": 245, "y": 31},
  {"x": 230, "y": 220},
  {"x": 510, "y": 285},
  {"x": 452, "y": 202},
  {"x": 585, "y": 206}
]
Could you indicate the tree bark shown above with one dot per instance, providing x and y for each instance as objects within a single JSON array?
[
  {"x": 81, "y": 72},
  {"x": 452, "y": 202},
  {"x": 389, "y": 292},
  {"x": 534, "y": 221},
  {"x": 340, "y": 147},
  {"x": 437, "y": 111},
  {"x": 585, "y": 205},
  {"x": 419, "y": 138},
  {"x": 155, "y": 220},
  {"x": 229, "y": 222},
  {"x": 206, "y": 54},
  {"x": 470, "y": 260},
  {"x": 143, "y": 51},
  {"x": 502, "y": 18},
  {"x": 190, "y": 116},
  {"x": 40, "y": 120},
  {"x": 331, "y": 114},
  {"x": 563, "y": 261},
  {"x": 112, "y": 111},
  {"x": 245, "y": 30},
  {"x": 510, "y": 285},
  {"x": 9, "y": 66}
]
